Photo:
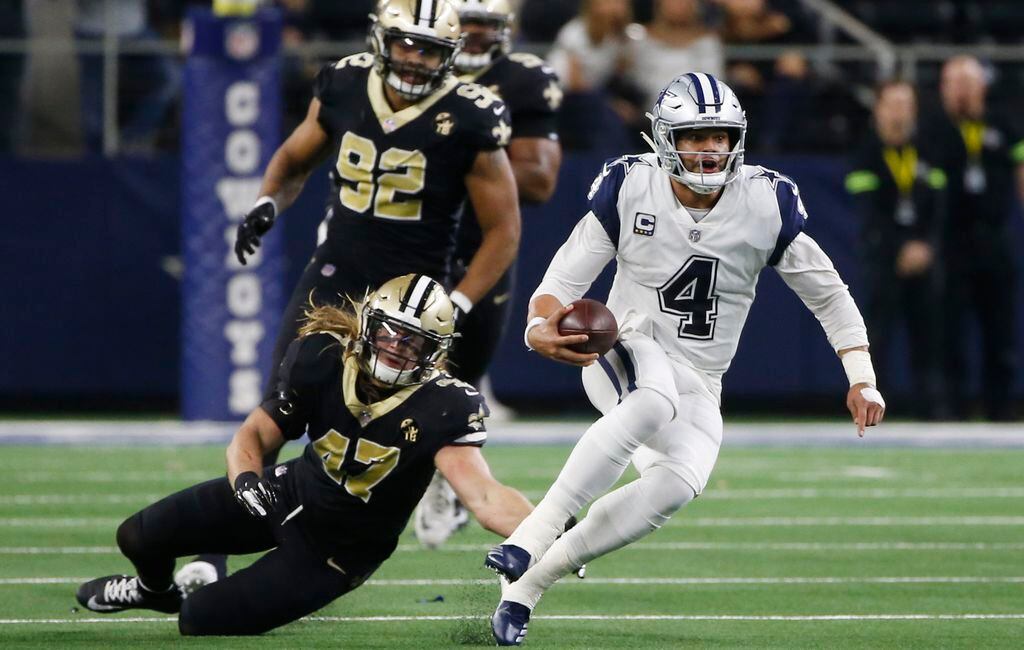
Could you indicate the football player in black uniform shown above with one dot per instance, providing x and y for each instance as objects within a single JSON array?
[
  {"x": 409, "y": 143},
  {"x": 532, "y": 95},
  {"x": 369, "y": 387}
]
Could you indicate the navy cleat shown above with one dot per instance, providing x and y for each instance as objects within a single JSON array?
[
  {"x": 508, "y": 560},
  {"x": 120, "y": 592},
  {"x": 509, "y": 623}
]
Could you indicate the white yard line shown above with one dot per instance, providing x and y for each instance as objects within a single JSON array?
[
  {"x": 779, "y": 522},
  {"x": 700, "y": 522},
  {"x": 637, "y": 546},
  {"x": 560, "y": 617},
  {"x": 825, "y": 580},
  {"x": 711, "y": 494}
]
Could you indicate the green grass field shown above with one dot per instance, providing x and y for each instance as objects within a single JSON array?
[{"x": 788, "y": 548}]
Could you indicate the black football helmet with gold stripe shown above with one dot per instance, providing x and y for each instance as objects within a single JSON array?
[{"x": 430, "y": 27}]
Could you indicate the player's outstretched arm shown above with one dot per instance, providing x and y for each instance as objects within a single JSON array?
[
  {"x": 256, "y": 437},
  {"x": 492, "y": 190},
  {"x": 542, "y": 336},
  {"x": 535, "y": 163},
  {"x": 496, "y": 506},
  {"x": 283, "y": 180}
]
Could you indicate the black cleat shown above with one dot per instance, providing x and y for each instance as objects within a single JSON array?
[
  {"x": 509, "y": 622},
  {"x": 120, "y": 592},
  {"x": 508, "y": 560}
]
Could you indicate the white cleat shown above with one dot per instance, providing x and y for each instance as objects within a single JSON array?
[
  {"x": 194, "y": 576},
  {"x": 439, "y": 513}
]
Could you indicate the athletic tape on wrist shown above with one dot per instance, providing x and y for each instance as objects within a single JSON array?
[
  {"x": 857, "y": 364},
  {"x": 266, "y": 199},
  {"x": 534, "y": 322},
  {"x": 461, "y": 301}
]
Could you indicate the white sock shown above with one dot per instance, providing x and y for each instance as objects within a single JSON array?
[
  {"x": 615, "y": 520},
  {"x": 594, "y": 465}
]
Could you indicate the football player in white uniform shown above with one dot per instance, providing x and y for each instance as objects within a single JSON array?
[{"x": 690, "y": 227}]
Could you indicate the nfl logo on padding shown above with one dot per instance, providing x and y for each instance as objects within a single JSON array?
[
  {"x": 695, "y": 236},
  {"x": 643, "y": 224}
]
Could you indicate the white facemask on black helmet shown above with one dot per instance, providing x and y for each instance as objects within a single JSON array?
[
  {"x": 430, "y": 25},
  {"x": 697, "y": 100}
]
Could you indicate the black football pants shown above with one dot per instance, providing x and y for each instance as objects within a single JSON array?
[{"x": 287, "y": 583}]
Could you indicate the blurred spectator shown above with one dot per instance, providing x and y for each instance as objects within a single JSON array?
[
  {"x": 12, "y": 25},
  {"x": 747, "y": 21},
  {"x": 800, "y": 110},
  {"x": 983, "y": 156},
  {"x": 593, "y": 47},
  {"x": 901, "y": 202},
  {"x": 590, "y": 56},
  {"x": 148, "y": 83},
  {"x": 677, "y": 41}
]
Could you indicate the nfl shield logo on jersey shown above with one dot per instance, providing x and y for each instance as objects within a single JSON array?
[{"x": 695, "y": 236}]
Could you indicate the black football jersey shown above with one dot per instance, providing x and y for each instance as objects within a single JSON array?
[
  {"x": 397, "y": 177},
  {"x": 530, "y": 90},
  {"x": 366, "y": 465}
]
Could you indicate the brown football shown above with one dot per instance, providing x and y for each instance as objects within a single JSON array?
[{"x": 593, "y": 319}]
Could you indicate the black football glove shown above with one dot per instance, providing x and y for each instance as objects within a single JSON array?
[
  {"x": 256, "y": 224},
  {"x": 256, "y": 495}
]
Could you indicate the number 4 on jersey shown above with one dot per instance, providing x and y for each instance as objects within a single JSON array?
[{"x": 690, "y": 294}]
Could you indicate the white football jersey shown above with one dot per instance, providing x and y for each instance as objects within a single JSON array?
[{"x": 687, "y": 284}]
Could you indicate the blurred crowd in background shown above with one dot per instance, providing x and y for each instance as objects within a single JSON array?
[
  {"x": 611, "y": 55},
  {"x": 935, "y": 191}
]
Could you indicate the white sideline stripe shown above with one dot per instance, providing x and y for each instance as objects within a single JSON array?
[
  {"x": 711, "y": 494},
  {"x": 637, "y": 546},
  {"x": 828, "y": 580},
  {"x": 561, "y": 617},
  {"x": 832, "y": 433},
  {"x": 702, "y": 522}
]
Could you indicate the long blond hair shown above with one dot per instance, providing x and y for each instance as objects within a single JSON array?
[{"x": 342, "y": 321}]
